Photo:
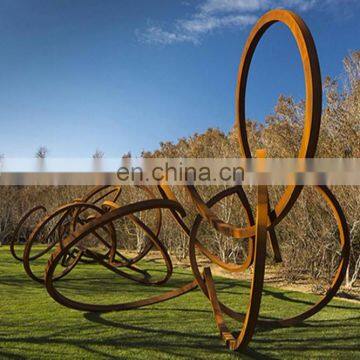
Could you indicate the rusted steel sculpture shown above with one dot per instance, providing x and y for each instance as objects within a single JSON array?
[
  {"x": 68, "y": 219},
  {"x": 73, "y": 227},
  {"x": 271, "y": 218}
]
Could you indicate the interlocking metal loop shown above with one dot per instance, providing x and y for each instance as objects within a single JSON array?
[
  {"x": 313, "y": 95},
  {"x": 269, "y": 218},
  {"x": 68, "y": 220},
  {"x": 74, "y": 238},
  {"x": 96, "y": 211}
]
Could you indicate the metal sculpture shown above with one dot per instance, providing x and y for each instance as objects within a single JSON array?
[
  {"x": 72, "y": 227},
  {"x": 270, "y": 218}
]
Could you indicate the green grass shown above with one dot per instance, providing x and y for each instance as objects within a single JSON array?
[{"x": 33, "y": 326}]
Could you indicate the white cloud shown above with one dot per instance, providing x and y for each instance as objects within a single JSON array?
[
  {"x": 213, "y": 15},
  {"x": 157, "y": 35},
  {"x": 300, "y": 5},
  {"x": 190, "y": 30},
  {"x": 216, "y": 6},
  {"x": 203, "y": 23},
  {"x": 211, "y": 6}
]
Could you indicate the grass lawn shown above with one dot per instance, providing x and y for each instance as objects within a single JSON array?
[{"x": 33, "y": 326}]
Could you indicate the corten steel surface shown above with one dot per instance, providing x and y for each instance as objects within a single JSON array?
[
  {"x": 101, "y": 208},
  {"x": 273, "y": 216}
]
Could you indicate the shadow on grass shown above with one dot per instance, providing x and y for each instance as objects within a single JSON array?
[
  {"x": 172, "y": 343},
  {"x": 90, "y": 286},
  {"x": 152, "y": 335},
  {"x": 168, "y": 329}
]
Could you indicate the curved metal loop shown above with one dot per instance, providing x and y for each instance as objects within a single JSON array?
[
  {"x": 105, "y": 219},
  {"x": 74, "y": 224}
]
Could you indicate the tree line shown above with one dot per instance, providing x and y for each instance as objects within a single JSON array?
[{"x": 308, "y": 236}]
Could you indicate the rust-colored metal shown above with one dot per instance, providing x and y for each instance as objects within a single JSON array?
[
  {"x": 97, "y": 211},
  {"x": 70, "y": 252},
  {"x": 268, "y": 219},
  {"x": 252, "y": 312},
  {"x": 107, "y": 218},
  {"x": 15, "y": 236}
]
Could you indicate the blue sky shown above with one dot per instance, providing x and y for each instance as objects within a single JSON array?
[{"x": 123, "y": 75}]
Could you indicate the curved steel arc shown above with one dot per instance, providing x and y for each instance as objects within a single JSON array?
[{"x": 73, "y": 224}]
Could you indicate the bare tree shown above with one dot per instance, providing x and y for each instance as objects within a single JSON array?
[
  {"x": 42, "y": 152},
  {"x": 307, "y": 235},
  {"x": 98, "y": 154}
]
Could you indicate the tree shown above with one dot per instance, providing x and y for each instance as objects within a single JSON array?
[
  {"x": 42, "y": 152},
  {"x": 98, "y": 154}
]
